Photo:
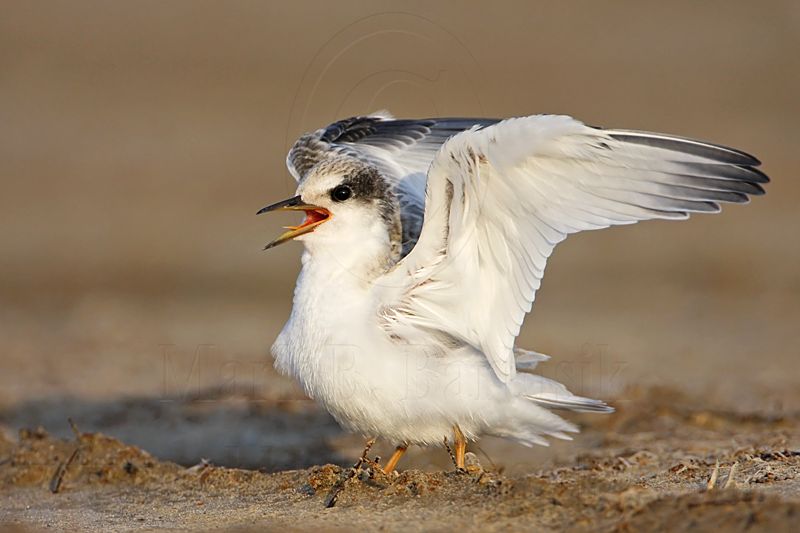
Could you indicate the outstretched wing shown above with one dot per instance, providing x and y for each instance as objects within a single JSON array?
[
  {"x": 401, "y": 149},
  {"x": 501, "y": 197}
]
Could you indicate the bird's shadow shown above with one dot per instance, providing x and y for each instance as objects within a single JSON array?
[{"x": 225, "y": 429}]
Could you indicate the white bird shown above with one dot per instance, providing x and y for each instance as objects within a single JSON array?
[{"x": 425, "y": 242}]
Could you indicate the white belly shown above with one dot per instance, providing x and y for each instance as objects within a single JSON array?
[
  {"x": 333, "y": 344},
  {"x": 383, "y": 389}
]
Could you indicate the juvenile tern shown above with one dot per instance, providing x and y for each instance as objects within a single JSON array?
[{"x": 425, "y": 242}]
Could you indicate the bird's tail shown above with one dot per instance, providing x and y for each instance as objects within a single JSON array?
[
  {"x": 530, "y": 419},
  {"x": 553, "y": 395}
]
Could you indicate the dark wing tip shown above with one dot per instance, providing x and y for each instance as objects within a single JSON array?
[
  {"x": 734, "y": 166},
  {"x": 762, "y": 177},
  {"x": 714, "y": 152}
]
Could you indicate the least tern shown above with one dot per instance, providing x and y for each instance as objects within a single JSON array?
[{"x": 425, "y": 242}]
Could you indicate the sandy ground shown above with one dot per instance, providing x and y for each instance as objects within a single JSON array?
[
  {"x": 138, "y": 139},
  {"x": 657, "y": 464}
]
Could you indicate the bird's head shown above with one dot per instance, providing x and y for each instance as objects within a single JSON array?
[{"x": 348, "y": 205}]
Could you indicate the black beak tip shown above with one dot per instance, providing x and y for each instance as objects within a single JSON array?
[{"x": 289, "y": 202}]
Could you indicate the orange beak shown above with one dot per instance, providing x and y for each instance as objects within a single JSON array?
[{"x": 315, "y": 216}]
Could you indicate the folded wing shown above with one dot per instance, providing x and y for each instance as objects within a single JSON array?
[{"x": 500, "y": 197}]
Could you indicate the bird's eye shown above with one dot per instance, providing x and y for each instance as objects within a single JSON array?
[{"x": 341, "y": 193}]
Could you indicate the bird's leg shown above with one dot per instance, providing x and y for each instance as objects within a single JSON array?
[
  {"x": 460, "y": 447},
  {"x": 395, "y": 458}
]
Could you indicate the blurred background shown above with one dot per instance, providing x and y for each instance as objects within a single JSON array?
[{"x": 137, "y": 141}]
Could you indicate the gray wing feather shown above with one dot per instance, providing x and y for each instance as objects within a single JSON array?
[{"x": 409, "y": 144}]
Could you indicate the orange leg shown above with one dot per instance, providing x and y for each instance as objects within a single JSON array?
[
  {"x": 395, "y": 458},
  {"x": 461, "y": 447}
]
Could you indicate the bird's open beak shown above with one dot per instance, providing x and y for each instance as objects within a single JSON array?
[{"x": 315, "y": 216}]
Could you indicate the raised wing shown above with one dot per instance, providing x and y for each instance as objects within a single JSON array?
[
  {"x": 500, "y": 198},
  {"x": 402, "y": 149}
]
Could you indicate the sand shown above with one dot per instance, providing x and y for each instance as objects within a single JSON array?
[{"x": 644, "y": 468}]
